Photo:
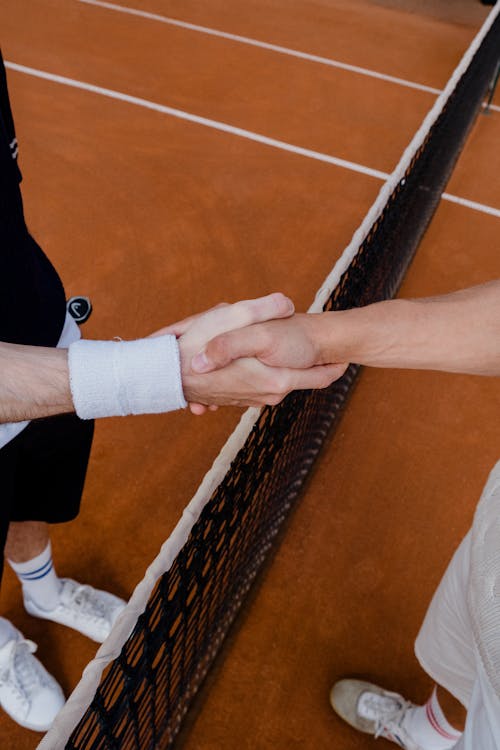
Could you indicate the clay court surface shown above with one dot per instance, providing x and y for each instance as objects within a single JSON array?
[{"x": 156, "y": 217}]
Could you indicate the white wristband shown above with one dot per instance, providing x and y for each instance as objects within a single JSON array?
[{"x": 116, "y": 378}]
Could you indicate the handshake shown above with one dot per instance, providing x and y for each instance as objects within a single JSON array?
[{"x": 250, "y": 353}]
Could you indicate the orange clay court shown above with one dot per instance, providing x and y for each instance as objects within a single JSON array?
[{"x": 155, "y": 216}]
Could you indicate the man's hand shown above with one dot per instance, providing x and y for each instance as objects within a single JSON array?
[
  {"x": 197, "y": 330},
  {"x": 246, "y": 382},
  {"x": 457, "y": 332},
  {"x": 225, "y": 317},
  {"x": 294, "y": 343}
]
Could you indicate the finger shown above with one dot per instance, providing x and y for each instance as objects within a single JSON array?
[
  {"x": 201, "y": 408},
  {"x": 197, "y": 409},
  {"x": 179, "y": 328},
  {"x": 240, "y": 315},
  {"x": 175, "y": 329},
  {"x": 281, "y": 381},
  {"x": 320, "y": 376},
  {"x": 227, "y": 347},
  {"x": 250, "y": 311}
]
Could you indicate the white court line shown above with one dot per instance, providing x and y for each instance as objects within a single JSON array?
[
  {"x": 224, "y": 127},
  {"x": 206, "y": 122},
  {"x": 471, "y": 204},
  {"x": 266, "y": 45}
]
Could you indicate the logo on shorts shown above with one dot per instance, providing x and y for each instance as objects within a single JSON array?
[{"x": 79, "y": 308}]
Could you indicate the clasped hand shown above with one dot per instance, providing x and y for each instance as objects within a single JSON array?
[{"x": 250, "y": 353}]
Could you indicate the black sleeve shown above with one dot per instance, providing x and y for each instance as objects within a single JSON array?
[
  {"x": 7, "y": 130},
  {"x": 32, "y": 299}
]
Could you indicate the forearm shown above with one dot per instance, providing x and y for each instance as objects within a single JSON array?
[
  {"x": 145, "y": 376},
  {"x": 34, "y": 382},
  {"x": 459, "y": 332},
  {"x": 93, "y": 378}
]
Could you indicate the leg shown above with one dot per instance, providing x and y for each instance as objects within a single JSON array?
[
  {"x": 444, "y": 645},
  {"x": 26, "y": 540},
  {"x": 29, "y": 553},
  {"x": 445, "y": 650},
  {"x": 381, "y": 713},
  {"x": 48, "y": 488},
  {"x": 28, "y": 693},
  {"x": 452, "y": 708},
  {"x": 51, "y": 460}
]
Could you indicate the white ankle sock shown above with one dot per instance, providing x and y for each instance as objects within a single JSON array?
[
  {"x": 7, "y": 631},
  {"x": 39, "y": 579},
  {"x": 429, "y": 727}
]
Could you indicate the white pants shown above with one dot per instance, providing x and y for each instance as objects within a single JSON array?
[{"x": 446, "y": 649}]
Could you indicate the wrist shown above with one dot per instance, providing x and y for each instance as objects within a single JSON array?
[
  {"x": 116, "y": 378},
  {"x": 319, "y": 334},
  {"x": 370, "y": 335},
  {"x": 332, "y": 337},
  {"x": 49, "y": 380}
]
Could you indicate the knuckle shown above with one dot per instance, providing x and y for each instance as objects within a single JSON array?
[
  {"x": 273, "y": 400},
  {"x": 281, "y": 382},
  {"x": 280, "y": 301},
  {"x": 267, "y": 340}
]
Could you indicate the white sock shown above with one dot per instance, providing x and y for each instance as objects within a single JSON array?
[
  {"x": 429, "y": 727},
  {"x": 39, "y": 580},
  {"x": 7, "y": 631}
]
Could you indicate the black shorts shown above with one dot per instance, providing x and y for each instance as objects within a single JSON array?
[{"x": 42, "y": 472}]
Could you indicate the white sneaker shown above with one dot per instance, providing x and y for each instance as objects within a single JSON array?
[
  {"x": 373, "y": 710},
  {"x": 83, "y": 608},
  {"x": 28, "y": 693}
]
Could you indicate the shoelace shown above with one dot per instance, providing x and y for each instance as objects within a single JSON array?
[
  {"x": 86, "y": 602},
  {"x": 22, "y": 668},
  {"x": 387, "y": 711}
]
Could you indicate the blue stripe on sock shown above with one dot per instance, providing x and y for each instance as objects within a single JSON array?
[
  {"x": 33, "y": 577},
  {"x": 37, "y": 570}
]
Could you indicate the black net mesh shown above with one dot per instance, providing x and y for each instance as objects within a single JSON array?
[{"x": 147, "y": 690}]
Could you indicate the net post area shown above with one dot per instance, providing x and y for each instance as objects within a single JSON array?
[{"x": 146, "y": 691}]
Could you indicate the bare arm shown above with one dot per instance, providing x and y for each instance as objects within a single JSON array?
[
  {"x": 458, "y": 332},
  {"x": 34, "y": 382}
]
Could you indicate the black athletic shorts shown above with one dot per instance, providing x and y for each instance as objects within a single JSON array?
[{"x": 42, "y": 472}]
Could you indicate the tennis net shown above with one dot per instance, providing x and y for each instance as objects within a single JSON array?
[{"x": 135, "y": 693}]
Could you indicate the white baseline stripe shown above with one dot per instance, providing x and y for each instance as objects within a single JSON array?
[
  {"x": 266, "y": 45},
  {"x": 471, "y": 204},
  {"x": 226, "y": 128},
  {"x": 263, "y": 45},
  {"x": 206, "y": 122}
]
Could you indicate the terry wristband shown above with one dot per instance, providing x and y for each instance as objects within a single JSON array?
[{"x": 116, "y": 378}]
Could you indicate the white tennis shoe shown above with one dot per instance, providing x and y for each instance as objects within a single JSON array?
[
  {"x": 83, "y": 608},
  {"x": 28, "y": 693},
  {"x": 373, "y": 710}
]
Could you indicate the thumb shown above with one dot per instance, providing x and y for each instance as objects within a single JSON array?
[{"x": 226, "y": 347}]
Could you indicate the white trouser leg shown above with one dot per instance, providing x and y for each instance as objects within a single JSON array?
[
  {"x": 444, "y": 645},
  {"x": 446, "y": 650}
]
